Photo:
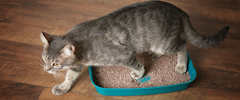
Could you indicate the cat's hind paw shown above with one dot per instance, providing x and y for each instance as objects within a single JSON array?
[
  {"x": 137, "y": 74},
  {"x": 181, "y": 69}
]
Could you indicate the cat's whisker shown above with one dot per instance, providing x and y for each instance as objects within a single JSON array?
[
  {"x": 62, "y": 73},
  {"x": 40, "y": 65},
  {"x": 41, "y": 61},
  {"x": 61, "y": 80},
  {"x": 56, "y": 79},
  {"x": 61, "y": 77}
]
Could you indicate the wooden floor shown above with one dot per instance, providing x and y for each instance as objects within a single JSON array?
[{"x": 21, "y": 21}]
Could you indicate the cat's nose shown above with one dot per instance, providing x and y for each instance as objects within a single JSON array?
[{"x": 47, "y": 69}]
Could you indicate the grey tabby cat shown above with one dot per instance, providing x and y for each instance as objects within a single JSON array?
[{"x": 156, "y": 27}]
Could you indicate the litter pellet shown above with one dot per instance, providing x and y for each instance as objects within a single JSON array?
[{"x": 159, "y": 72}]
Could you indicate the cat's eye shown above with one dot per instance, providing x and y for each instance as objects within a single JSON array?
[
  {"x": 44, "y": 58},
  {"x": 56, "y": 64}
]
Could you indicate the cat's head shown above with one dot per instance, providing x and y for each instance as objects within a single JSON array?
[{"x": 58, "y": 53}]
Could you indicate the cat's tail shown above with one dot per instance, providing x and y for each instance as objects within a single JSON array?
[{"x": 202, "y": 41}]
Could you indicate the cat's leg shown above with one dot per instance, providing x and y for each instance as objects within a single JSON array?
[
  {"x": 154, "y": 55},
  {"x": 137, "y": 68},
  {"x": 181, "y": 66},
  {"x": 63, "y": 88}
]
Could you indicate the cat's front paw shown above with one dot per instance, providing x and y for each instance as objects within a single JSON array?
[
  {"x": 59, "y": 90},
  {"x": 137, "y": 74},
  {"x": 181, "y": 69}
]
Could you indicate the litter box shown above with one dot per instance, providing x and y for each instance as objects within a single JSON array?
[{"x": 147, "y": 90}]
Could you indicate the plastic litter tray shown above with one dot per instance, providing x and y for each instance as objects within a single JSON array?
[{"x": 147, "y": 90}]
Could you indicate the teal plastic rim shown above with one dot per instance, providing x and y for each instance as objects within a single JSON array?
[{"x": 147, "y": 90}]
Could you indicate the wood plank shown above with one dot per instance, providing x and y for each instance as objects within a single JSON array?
[
  {"x": 197, "y": 94},
  {"x": 219, "y": 3},
  {"x": 18, "y": 91},
  {"x": 24, "y": 25},
  {"x": 209, "y": 12},
  {"x": 47, "y": 94},
  {"x": 20, "y": 52},
  {"x": 227, "y": 51},
  {"x": 22, "y": 64}
]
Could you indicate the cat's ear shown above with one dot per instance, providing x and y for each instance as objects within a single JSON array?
[
  {"x": 46, "y": 38},
  {"x": 68, "y": 50}
]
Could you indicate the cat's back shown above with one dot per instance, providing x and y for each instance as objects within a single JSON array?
[
  {"x": 144, "y": 19},
  {"x": 128, "y": 15}
]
